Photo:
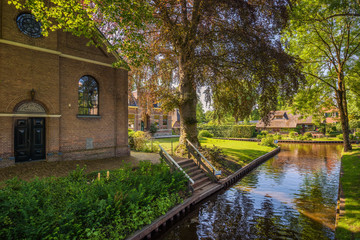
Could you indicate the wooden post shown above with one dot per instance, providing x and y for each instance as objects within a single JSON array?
[
  {"x": 98, "y": 176},
  {"x": 172, "y": 151}
]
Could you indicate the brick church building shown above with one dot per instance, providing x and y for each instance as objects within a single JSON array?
[{"x": 59, "y": 99}]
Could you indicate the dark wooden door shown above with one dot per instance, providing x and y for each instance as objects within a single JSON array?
[{"x": 29, "y": 141}]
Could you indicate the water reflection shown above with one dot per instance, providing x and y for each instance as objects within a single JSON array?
[{"x": 292, "y": 196}]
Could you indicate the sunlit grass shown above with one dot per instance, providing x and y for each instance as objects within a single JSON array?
[
  {"x": 349, "y": 224},
  {"x": 240, "y": 151}
]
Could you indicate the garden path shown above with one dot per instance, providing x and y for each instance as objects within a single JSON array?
[{"x": 30, "y": 170}]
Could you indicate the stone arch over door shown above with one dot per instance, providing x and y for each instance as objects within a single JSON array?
[
  {"x": 30, "y": 107},
  {"x": 29, "y": 132}
]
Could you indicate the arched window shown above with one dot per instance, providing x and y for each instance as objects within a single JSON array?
[{"x": 88, "y": 96}]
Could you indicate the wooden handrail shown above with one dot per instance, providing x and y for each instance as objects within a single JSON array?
[
  {"x": 173, "y": 164},
  {"x": 213, "y": 173}
]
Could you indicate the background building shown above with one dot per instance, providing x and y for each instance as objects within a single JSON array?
[{"x": 140, "y": 119}]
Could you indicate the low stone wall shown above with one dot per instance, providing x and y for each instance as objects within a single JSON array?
[
  {"x": 175, "y": 214},
  {"x": 233, "y": 178}
]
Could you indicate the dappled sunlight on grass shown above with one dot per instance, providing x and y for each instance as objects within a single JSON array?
[
  {"x": 349, "y": 224},
  {"x": 241, "y": 152}
]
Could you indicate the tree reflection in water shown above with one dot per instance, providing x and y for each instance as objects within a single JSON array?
[{"x": 292, "y": 196}]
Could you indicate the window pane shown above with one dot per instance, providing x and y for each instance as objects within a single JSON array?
[{"x": 88, "y": 96}]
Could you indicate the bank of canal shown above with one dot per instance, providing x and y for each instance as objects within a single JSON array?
[{"x": 292, "y": 195}]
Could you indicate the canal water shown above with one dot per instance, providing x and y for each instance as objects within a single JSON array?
[{"x": 291, "y": 196}]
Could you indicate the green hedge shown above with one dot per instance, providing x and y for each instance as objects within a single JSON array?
[
  {"x": 234, "y": 131},
  {"x": 81, "y": 207}
]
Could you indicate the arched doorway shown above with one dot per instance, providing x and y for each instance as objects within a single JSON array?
[{"x": 29, "y": 132}]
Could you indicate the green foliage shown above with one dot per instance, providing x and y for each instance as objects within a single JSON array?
[
  {"x": 293, "y": 135},
  {"x": 352, "y": 137},
  {"x": 82, "y": 207},
  {"x": 153, "y": 128},
  {"x": 326, "y": 41},
  {"x": 128, "y": 19},
  {"x": 213, "y": 154},
  {"x": 357, "y": 134},
  {"x": 235, "y": 131},
  {"x": 308, "y": 135},
  {"x": 354, "y": 123},
  {"x": 152, "y": 146},
  {"x": 140, "y": 140},
  {"x": 340, "y": 136},
  {"x": 268, "y": 141},
  {"x": 243, "y": 131},
  {"x": 264, "y": 132},
  {"x": 131, "y": 138},
  {"x": 205, "y": 133},
  {"x": 277, "y": 136},
  {"x": 200, "y": 115}
]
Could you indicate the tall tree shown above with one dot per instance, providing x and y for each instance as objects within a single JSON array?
[
  {"x": 231, "y": 46},
  {"x": 328, "y": 45},
  {"x": 214, "y": 43}
]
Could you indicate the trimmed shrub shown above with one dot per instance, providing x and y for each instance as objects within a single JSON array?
[
  {"x": 217, "y": 131},
  {"x": 140, "y": 140},
  {"x": 293, "y": 135},
  {"x": 243, "y": 131},
  {"x": 235, "y": 131},
  {"x": 205, "y": 133},
  {"x": 268, "y": 141},
  {"x": 340, "y": 136},
  {"x": 308, "y": 136}
]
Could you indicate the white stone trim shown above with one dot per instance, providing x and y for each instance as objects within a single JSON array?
[
  {"x": 28, "y": 115},
  {"x": 40, "y": 49}
]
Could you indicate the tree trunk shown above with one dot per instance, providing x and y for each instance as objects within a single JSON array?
[
  {"x": 188, "y": 100},
  {"x": 342, "y": 106}
]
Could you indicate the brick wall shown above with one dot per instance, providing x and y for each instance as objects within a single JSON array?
[{"x": 51, "y": 66}]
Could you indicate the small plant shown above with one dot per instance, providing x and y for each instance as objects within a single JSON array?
[
  {"x": 352, "y": 137},
  {"x": 293, "y": 135},
  {"x": 205, "y": 133},
  {"x": 307, "y": 136},
  {"x": 131, "y": 138},
  {"x": 140, "y": 140},
  {"x": 259, "y": 136},
  {"x": 357, "y": 134},
  {"x": 277, "y": 136},
  {"x": 264, "y": 133},
  {"x": 340, "y": 136},
  {"x": 153, "y": 128},
  {"x": 268, "y": 141}
]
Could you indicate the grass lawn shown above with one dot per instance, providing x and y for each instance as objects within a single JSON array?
[
  {"x": 241, "y": 152},
  {"x": 349, "y": 224}
]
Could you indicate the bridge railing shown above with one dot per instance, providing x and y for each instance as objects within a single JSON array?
[
  {"x": 202, "y": 162},
  {"x": 174, "y": 166}
]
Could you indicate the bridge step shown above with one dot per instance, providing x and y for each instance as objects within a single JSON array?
[{"x": 197, "y": 174}]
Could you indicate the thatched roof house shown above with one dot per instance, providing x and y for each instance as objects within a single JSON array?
[{"x": 285, "y": 120}]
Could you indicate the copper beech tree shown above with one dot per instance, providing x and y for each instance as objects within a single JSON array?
[{"x": 231, "y": 47}]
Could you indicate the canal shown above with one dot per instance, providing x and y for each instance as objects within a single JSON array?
[{"x": 291, "y": 196}]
